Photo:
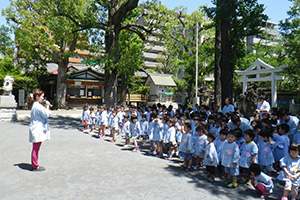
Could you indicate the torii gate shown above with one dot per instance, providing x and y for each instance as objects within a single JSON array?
[{"x": 260, "y": 67}]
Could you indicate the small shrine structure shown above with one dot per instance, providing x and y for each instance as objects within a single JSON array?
[{"x": 258, "y": 68}]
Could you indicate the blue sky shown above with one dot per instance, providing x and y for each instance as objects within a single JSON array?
[{"x": 275, "y": 9}]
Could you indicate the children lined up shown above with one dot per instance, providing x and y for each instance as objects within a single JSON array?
[{"x": 227, "y": 145}]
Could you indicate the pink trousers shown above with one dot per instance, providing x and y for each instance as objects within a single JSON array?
[
  {"x": 35, "y": 154},
  {"x": 259, "y": 187}
]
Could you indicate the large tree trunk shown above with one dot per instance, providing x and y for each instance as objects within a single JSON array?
[
  {"x": 116, "y": 13},
  {"x": 61, "y": 84},
  {"x": 111, "y": 71},
  {"x": 124, "y": 87},
  {"x": 226, "y": 57},
  {"x": 218, "y": 85},
  {"x": 111, "y": 87}
]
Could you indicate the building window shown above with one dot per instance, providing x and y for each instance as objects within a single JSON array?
[{"x": 82, "y": 92}]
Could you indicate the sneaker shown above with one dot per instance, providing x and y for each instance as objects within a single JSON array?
[
  {"x": 135, "y": 149},
  {"x": 196, "y": 167},
  {"x": 243, "y": 180},
  {"x": 154, "y": 153},
  {"x": 112, "y": 140},
  {"x": 284, "y": 198},
  {"x": 263, "y": 196},
  {"x": 39, "y": 169},
  {"x": 232, "y": 185}
]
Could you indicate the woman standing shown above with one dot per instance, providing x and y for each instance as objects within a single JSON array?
[
  {"x": 39, "y": 128},
  {"x": 228, "y": 108}
]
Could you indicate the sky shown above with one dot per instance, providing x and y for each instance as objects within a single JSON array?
[{"x": 275, "y": 9}]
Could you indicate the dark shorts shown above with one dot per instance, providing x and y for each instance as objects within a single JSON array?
[{"x": 185, "y": 155}]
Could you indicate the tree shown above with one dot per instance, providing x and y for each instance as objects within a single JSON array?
[
  {"x": 177, "y": 33},
  {"x": 128, "y": 50},
  {"x": 108, "y": 17},
  {"x": 130, "y": 60},
  {"x": 291, "y": 35},
  {"x": 6, "y": 43},
  {"x": 234, "y": 20},
  {"x": 43, "y": 35}
]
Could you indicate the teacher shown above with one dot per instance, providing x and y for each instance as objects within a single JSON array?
[{"x": 39, "y": 128}]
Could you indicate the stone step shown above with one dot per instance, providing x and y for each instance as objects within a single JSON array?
[{"x": 7, "y": 114}]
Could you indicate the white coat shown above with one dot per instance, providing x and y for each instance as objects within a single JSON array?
[{"x": 39, "y": 128}]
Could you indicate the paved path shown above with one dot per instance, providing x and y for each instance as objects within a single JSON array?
[{"x": 79, "y": 166}]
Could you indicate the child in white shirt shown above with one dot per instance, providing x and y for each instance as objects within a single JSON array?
[{"x": 211, "y": 157}]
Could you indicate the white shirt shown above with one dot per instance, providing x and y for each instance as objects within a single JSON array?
[
  {"x": 39, "y": 128},
  {"x": 263, "y": 106}
]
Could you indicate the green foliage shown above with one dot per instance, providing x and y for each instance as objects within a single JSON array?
[
  {"x": 291, "y": 37},
  {"x": 7, "y": 66},
  {"x": 181, "y": 85},
  {"x": 6, "y": 43},
  {"x": 129, "y": 50},
  {"x": 177, "y": 33}
]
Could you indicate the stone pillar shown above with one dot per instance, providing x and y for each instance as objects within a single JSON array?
[{"x": 8, "y": 103}]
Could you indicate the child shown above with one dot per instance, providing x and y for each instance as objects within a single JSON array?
[
  {"x": 297, "y": 134},
  {"x": 125, "y": 129},
  {"x": 219, "y": 146},
  {"x": 165, "y": 135},
  {"x": 135, "y": 131},
  {"x": 282, "y": 143},
  {"x": 98, "y": 119},
  {"x": 185, "y": 146},
  {"x": 144, "y": 128},
  {"x": 230, "y": 159},
  {"x": 179, "y": 125},
  {"x": 200, "y": 142},
  {"x": 249, "y": 152},
  {"x": 265, "y": 154},
  {"x": 290, "y": 171},
  {"x": 159, "y": 132},
  {"x": 260, "y": 181},
  {"x": 240, "y": 140},
  {"x": 104, "y": 122},
  {"x": 114, "y": 125},
  {"x": 153, "y": 132},
  {"x": 170, "y": 139},
  {"x": 85, "y": 118},
  {"x": 211, "y": 157},
  {"x": 91, "y": 119},
  {"x": 216, "y": 128}
]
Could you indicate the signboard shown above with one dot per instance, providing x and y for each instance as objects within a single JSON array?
[
  {"x": 77, "y": 83},
  {"x": 21, "y": 97}
]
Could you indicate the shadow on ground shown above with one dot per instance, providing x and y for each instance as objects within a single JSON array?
[
  {"x": 24, "y": 166},
  {"x": 217, "y": 188},
  {"x": 56, "y": 122}
]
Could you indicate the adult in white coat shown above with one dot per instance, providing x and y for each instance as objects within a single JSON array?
[{"x": 39, "y": 128}]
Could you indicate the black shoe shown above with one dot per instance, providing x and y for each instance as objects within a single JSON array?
[{"x": 39, "y": 169}]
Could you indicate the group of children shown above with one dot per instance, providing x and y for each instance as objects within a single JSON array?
[{"x": 201, "y": 137}]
